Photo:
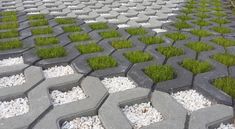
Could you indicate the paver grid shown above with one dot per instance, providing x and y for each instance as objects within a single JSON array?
[{"x": 154, "y": 16}]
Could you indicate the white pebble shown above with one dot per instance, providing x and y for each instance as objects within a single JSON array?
[
  {"x": 13, "y": 108},
  {"x": 13, "y": 80},
  {"x": 58, "y": 71},
  {"x": 192, "y": 100},
  {"x": 90, "y": 122},
  {"x": 59, "y": 97},
  {"x": 117, "y": 84},
  {"x": 142, "y": 114},
  {"x": 227, "y": 126},
  {"x": 11, "y": 61}
]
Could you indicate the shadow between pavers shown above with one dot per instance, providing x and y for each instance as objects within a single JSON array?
[{"x": 172, "y": 118}]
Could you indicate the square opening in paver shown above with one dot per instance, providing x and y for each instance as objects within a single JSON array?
[
  {"x": 141, "y": 115},
  {"x": 13, "y": 80},
  {"x": 58, "y": 71}
]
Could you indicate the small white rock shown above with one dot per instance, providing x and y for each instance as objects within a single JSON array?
[
  {"x": 75, "y": 94},
  {"x": 58, "y": 71},
  {"x": 191, "y": 100},
  {"x": 117, "y": 84},
  {"x": 13, "y": 80},
  {"x": 90, "y": 122},
  {"x": 13, "y": 108},
  {"x": 226, "y": 126},
  {"x": 142, "y": 114},
  {"x": 11, "y": 61}
]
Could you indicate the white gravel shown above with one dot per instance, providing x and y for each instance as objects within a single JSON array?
[
  {"x": 192, "y": 100},
  {"x": 13, "y": 108},
  {"x": 75, "y": 94},
  {"x": 142, "y": 114},
  {"x": 58, "y": 71},
  {"x": 116, "y": 84},
  {"x": 90, "y": 122},
  {"x": 13, "y": 80},
  {"x": 226, "y": 126},
  {"x": 11, "y": 61}
]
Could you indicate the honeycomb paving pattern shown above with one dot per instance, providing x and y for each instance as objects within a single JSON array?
[{"x": 162, "y": 46}]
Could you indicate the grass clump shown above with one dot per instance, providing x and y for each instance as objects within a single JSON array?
[
  {"x": 120, "y": 44},
  {"x": 219, "y": 14},
  {"x": 13, "y": 44},
  {"x": 186, "y": 11},
  {"x": 170, "y": 51},
  {"x": 224, "y": 42},
  {"x": 151, "y": 40},
  {"x": 176, "y": 36},
  {"x": 98, "y": 26},
  {"x": 72, "y": 28},
  {"x": 201, "y": 33},
  {"x": 8, "y": 13},
  {"x": 65, "y": 20},
  {"x": 196, "y": 66},
  {"x": 89, "y": 48},
  {"x": 36, "y": 17},
  {"x": 159, "y": 73},
  {"x": 184, "y": 17},
  {"x": 182, "y": 25},
  {"x": 102, "y": 62},
  {"x": 202, "y": 23},
  {"x": 199, "y": 46},
  {"x": 12, "y": 18},
  {"x": 225, "y": 58},
  {"x": 44, "y": 30},
  {"x": 11, "y": 25},
  {"x": 52, "y": 52},
  {"x": 42, "y": 41},
  {"x": 109, "y": 34},
  {"x": 220, "y": 21},
  {"x": 202, "y": 15},
  {"x": 78, "y": 37},
  {"x": 42, "y": 22},
  {"x": 9, "y": 34},
  {"x": 221, "y": 30},
  {"x": 225, "y": 84},
  {"x": 136, "y": 31},
  {"x": 138, "y": 56}
]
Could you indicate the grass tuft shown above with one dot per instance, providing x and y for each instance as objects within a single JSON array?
[
  {"x": 9, "y": 25},
  {"x": 136, "y": 31},
  {"x": 41, "y": 22},
  {"x": 42, "y": 41},
  {"x": 184, "y": 17},
  {"x": 221, "y": 30},
  {"x": 98, "y": 26},
  {"x": 182, "y": 25},
  {"x": 65, "y": 20},
  {"x": 78, "y": 37},
  {"x": 201, "y": 33},
  {"x": 170, "y": 51},
  {"x": 8, "y": 13},
  {"x": 202, "y": 15},
  {"x": 224, "y": 58},
  {"x": 196, "y": 66},
  {"x": 72, "y": 28},
  {"x": 36, "y": 16},
  {"x": 151, "y": 40},
  {"x": 52, "y": 52},
  {"x": 89, "y": 48},
  {"x": 138, "y": 56},
  {"x": 109, "y": 34},
  {"x": 225, "y": 84},
  {"x": 9, "y": 34},
  {"x": 13, "y": 44},
  {"x": 159, "y": 73},
  {"x": 201, "y": 23},
  {"x": 199, "y": 46},
  {"x": 224, "y": 42},
  {"x": 120, "y": 44},
  {"x": 102, "y": 62},
  {"x": 176, "y": 36},
  {"x": 44, "y": 30},
  {"x": 220, "y": 21}
]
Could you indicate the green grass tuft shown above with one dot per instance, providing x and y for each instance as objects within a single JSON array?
[
  {"x": 201, "y": 33},
  {"x": 220, "y": 21},
  {"x": 221, "y": 30},
  {"x": 184, "y": 17},
  {"x": 72, "y": 28},
  {"x": 78, "y": 37},
  {"x": 41, "y": 22},
  {"x": 89, "y": 48},
  {"x": 182, "y": 25},
  {"x": 219, "y": 14},
  {"x": 44, "y": 30},
  {"x": 136, "y": 31},
  {"x": 202, "y": 15},
  {"x": 151, "y": 40},
  {"x": 120, "y": 44},
  {"x": 176, "y": 36},
  {"x": 202, "y": 23},
  {"x": 138, "y": 56},
  {"x": 8, "y": 13},
  {"x": 9, "y": 25},
  {"x": 187, "y": 11},
  {"x": 36, "y": 16},
  {"x": 196, "y": 66},
  {"x": 102, "y": 62},
  {"x": 159, "y": 73},
  {"x": 9, "y": 34},
  {"x": 98, "y": 26},
  {"x": 170, "y": 51},
  {"x": 52, "y": 52},
  {"x": 109, "y": 34},
  {"x": 65, "y": 20},
  {"x": 224, "y": 58},
  {"x": 224, "y": 42},
  {"x": 11, "y": 18},
  {"x": 42, "y": 41},
  {"x": 13, "y": 44},
  {"x": 225, "y": 84},
  {"x": 199, "y": 46}
]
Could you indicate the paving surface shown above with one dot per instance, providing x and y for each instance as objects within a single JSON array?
[{"x": 157, "y": 18}]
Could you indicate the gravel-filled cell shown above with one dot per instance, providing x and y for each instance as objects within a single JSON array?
[
  {"x": 11, "y": 61},
  {"x": 58, "y": 71},
  {"x": 13, "y": 80}
]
